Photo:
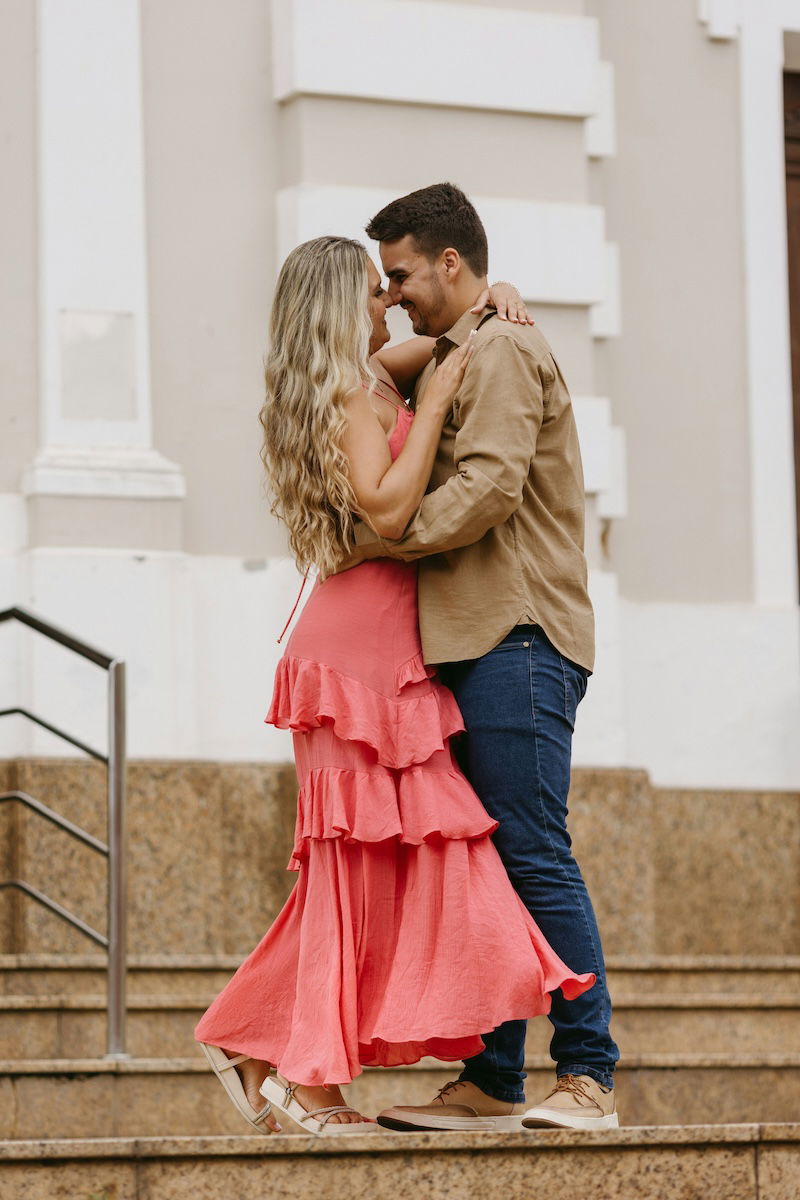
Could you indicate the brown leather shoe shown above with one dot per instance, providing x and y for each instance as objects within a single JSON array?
[
  {"x": 576, "y": 1102},
  {"x": 458, "y": 1105}
]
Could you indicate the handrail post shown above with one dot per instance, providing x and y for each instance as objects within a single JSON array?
[{"x": 117, "y": 866}]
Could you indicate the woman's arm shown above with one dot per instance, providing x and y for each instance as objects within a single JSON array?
[
  {"x": 507, "y": 300},
  {"x": 388, "y": 493},
  {"x": 404, "y": 362}
]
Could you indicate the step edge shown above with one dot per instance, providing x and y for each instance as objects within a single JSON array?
[
  {"x": 643, "y": 1137},
  {"x": 157, "y": 1002},
  {"x": 192, "y": 1066},
  {"x": 223, "y": 962}
]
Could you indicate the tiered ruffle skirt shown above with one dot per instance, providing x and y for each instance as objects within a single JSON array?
[{"x": 403, "y": 936}]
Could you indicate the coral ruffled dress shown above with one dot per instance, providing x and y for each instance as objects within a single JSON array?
[{"x": 403, "y": 936}]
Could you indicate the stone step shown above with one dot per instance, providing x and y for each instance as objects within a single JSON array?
[
  {"x": 733, "y": 1162},
  {"x": 80, "y": 1098},
  {"x": 203, "y": 975},
  {"x": 74, "y": 1025},
  {"x": 685, "y": 860}
]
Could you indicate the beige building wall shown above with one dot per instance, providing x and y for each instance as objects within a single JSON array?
[
  {"x": 18, "y": 248},
  {"x": 677, "y": 371},
  {"x": 611, "y": 173},
  {"x": 211, "y": 174}
]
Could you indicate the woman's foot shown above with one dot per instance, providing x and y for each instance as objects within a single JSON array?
[
  {"x": 313, "y": 1098},
  {"x": 252, "y": 1073},
  {"x": 317, "y": 1110}
]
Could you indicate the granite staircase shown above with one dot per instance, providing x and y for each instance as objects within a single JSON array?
[{"x": 709, "y": 1085}]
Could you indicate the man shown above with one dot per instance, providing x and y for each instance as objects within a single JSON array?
[{"x": 505, "y": 614}]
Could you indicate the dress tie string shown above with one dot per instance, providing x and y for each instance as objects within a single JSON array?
[{"x": 294, "y": 610}]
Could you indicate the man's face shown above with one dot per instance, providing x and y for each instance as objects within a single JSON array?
[{"x": 415, "y": 284}]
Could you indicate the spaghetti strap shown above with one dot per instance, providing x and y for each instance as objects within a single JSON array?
[{"x": 403, "y": 403}]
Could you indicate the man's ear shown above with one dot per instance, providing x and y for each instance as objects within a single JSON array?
[{"x": 451, "y": 261}]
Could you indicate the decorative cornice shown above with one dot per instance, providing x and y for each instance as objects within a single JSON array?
[
  {"x": 452, "y": 55},
  {"x": 722, "y": 18},
  {"x": 103, "y": 471}
]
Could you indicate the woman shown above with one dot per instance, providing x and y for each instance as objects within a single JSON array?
[{"x": 365, "y": 966}]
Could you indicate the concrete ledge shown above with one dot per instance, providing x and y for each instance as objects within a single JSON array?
[
  {"x": 395, "y": 1142},
  {"x": 615, "y": 962},
  {"x": 736, "y": 1162},
  {"x": 540, "y": 1062},
  {"x": 96, "y": 1002}
]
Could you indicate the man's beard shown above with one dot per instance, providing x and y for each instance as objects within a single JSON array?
[{"x": 438, "y": 302}]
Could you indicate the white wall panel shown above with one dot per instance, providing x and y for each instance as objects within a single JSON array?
[
  {"x": 428, "y": 53},
  {"x": 698, "y": 695},
  {"x": 555, "y": 253},
  {"x": 712, "y": 695}
]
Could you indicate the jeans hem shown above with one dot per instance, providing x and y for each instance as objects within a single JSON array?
[
  {"x": 604, "y": 1077},
  {"x": 491, "y": 1088}
]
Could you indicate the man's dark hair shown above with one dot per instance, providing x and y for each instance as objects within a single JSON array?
[{"x": 436, "y": 217}]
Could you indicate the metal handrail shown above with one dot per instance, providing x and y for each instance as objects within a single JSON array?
[{"x": 116, "y": 935}]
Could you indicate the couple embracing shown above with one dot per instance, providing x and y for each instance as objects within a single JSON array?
[{"x": 431, "y": 684}]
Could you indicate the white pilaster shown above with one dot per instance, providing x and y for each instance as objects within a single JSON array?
[
  {"x": 94, "y": 346},
  {"x": 760, "y": 25}
]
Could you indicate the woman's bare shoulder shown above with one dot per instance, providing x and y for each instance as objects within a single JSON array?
[{"x": 361, "y": 410}]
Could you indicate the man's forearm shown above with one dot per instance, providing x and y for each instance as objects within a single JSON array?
[
  {"x": 456, "y": 514},
  {"x": 367, "y": 545},
  {"x": 501, "y": 405}
]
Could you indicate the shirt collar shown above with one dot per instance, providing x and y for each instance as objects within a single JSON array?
[{"x": 458, "y": 333}]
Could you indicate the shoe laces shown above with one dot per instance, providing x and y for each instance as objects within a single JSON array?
[
  {"x": 443, "y": 1091},
  {"x": 575, "y": 1085}
]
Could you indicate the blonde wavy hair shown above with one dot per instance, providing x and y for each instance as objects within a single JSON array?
[{"x": 320, "y": 332}]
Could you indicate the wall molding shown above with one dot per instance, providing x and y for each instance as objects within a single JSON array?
[
  {"x": 555, "y": 253},
  {"x": 603, "y": 454},
  {"x": 414, "y": 52},
  {"x": 600, "y": 130},
  {"x": 103, "y": 471},
  {"x": 605, "y": 317},
  {"x": 722, "y": 18}
]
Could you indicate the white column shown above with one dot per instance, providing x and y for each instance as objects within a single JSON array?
[
  {"x": 760, "y": 26},
  {"x": 96, "y": 436},
  {"x": 768, "y": 337}
]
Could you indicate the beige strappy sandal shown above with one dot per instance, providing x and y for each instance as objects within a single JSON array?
[
  {"x": 224, "y": 1069},
  {"x": 280, "y": 1095}
]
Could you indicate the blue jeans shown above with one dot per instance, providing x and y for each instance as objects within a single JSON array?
[{"x": 519, "y": 703}]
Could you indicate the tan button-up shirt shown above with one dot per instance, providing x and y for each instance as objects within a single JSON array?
[{"x": 499, "y": 535}]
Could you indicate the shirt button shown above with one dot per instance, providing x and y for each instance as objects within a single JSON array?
[{"x": 526, "y": 644}]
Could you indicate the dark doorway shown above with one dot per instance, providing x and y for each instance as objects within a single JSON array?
[{"x": 791, "y": 111}]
